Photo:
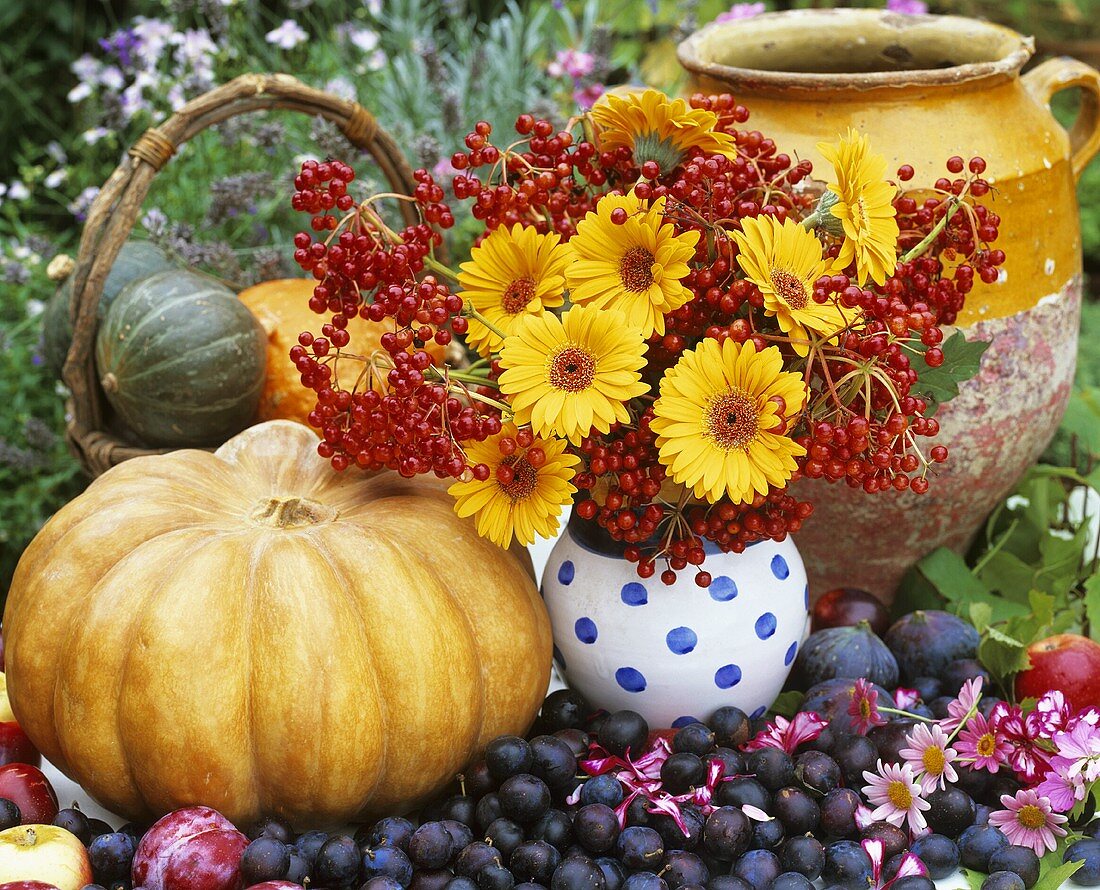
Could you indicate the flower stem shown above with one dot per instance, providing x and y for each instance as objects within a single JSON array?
[
  {"x": 906, "y": 714},
  {"x": 436, "y": 266},
  {"x": 471, "y": 312}
]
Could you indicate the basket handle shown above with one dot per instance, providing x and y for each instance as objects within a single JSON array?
[{"x": 115, "y": 210}]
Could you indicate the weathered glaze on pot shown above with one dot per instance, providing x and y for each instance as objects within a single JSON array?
[{"x": 925, "y": 88}]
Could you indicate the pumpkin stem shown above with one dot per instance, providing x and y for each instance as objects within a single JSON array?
[{"x": 292, "y": 512}]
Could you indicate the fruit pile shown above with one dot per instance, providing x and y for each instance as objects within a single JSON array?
[
  {"x": 573, "y": 807},
  {"x": 867, "y": 786}
]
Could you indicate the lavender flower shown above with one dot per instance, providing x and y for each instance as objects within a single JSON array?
[
  {"x": 236, "y": 195},
  {"x": 743, "y": 11},
  {"x": 287, "y": 36},
  {"x": 426, "y": 150},
  {"x": 267, "y": 264},
  {"x": 907, "y": 7},
  {"x": 80, "y": 205}
]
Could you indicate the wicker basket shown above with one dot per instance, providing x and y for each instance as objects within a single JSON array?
[{"x": 115, "y": 210}]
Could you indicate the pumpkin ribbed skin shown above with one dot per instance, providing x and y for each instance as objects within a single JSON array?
[
  {"x": 136, "y": 260},
  {"x": 181, "y": 359},
  {"x": 251, "y": 631}
]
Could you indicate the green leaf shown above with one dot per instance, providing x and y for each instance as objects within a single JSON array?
[
  {"x": 1054, "y": 877},
  {"x": 961, "y": 359},
  {"x": 981, "y": 614},
  {"x": 787, "y": 703},
  {"x": 1092, "y": 606},
  {"x": 1003, "y": 656},
  {"x": 974, "y": 878},
  {"x": 951, "y": 578}
]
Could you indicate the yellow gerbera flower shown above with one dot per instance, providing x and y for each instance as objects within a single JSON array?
[
  {"x": 656, "y": 128},
  {"x": 723, "y": 417},
  {"x": 784, "y": 260},
  {"x": 635, "y": 267},
  {"x": 567, "y": 376},
  {"x": 865, "y": 207},
  {"x": 530, "y": 501},
  {"x": 512, "y": 273}
]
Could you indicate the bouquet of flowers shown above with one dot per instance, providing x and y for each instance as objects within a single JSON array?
[{"x": 673, "y": 322}]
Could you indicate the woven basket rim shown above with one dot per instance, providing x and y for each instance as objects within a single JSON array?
[{"x": 114, "y": 212}]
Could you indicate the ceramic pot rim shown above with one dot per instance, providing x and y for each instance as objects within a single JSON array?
[{"x": 1016, "y": 50}]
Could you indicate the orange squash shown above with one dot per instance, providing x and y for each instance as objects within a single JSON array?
[
  {"x": 252, "y": 631},
  {"x": 282, "y": 308}
]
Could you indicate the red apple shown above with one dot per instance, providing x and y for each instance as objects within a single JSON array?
[
  {"x": 266, "y": 885},
  {"x": 195, "y": 848},
  {"x": 44, "y": 854},
  {"x": 30, "y": 790},
  {"x": 15, "y": 747},
  {"x": 1067, "y": 662},
  {"x": 27, "y": 885},
  {"x": 846, "y": 607}
]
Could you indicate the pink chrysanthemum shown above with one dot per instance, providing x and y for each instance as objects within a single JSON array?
[
  {"x": 1082, "y": 746},
  {"x": 1025, "y": 756},
  {"x": 963, "y": 706},
  {"x": 1062, "y": 790},
  {"x": 863, "y": 707},
  {"x": 786, "y": 734},
  {"x": 1028, "y": 820},
  {"x": 905, "y": 698},
  {"x": 896, "y": 796},
  {"x": 931, "y": 758},
  {"x": 982, "y": 744}
]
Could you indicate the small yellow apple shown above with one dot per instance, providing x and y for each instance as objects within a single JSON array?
[{"x": 44, "y": 853}]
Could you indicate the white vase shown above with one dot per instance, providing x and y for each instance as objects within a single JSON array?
[{"x": 674, "y": 653}]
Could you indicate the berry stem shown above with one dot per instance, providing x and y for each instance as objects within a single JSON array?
[{"x": 956, "y": 202}]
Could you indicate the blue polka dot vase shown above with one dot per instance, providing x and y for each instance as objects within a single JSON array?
[{"x": 675, "y": 654}]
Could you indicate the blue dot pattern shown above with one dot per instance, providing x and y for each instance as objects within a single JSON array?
[
  {"x": 767, "y": 595},
  {"x": 727, "y": 676},
  {"x": 634, "y": 594},
  {"x": 630, "y": 679},
  {"x": 723, "y": 589},
  {"x": 780, "y": 568},
  {"x": 585, "y": 629},
  {"x": 759, "y": 712},
  {"x": 681, "y": 640}
]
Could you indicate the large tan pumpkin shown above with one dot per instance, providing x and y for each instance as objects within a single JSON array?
[{"x": 251, "y": 631}]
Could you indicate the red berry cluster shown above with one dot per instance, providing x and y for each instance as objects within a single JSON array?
[
  {"x": 401, "y": 413},
  {"x": 865, "y": 412}
]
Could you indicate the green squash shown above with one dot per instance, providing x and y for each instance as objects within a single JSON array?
[
  {"x": 136, "y": 259},
  {"x": 181, "y": 360}
]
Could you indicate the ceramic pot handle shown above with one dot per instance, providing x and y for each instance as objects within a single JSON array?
[{"x": 1055, "y": 75}]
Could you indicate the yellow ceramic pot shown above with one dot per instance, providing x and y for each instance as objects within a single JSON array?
[{"x": 926, "y": 88}]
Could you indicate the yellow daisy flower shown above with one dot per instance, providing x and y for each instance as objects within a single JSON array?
[
  {"x": 656, "y": 128},
  {"x": 512, "y": 273},
  {"x": 784, "y": 260},
  {"x": 723, "y": 417},
  {"x": 567, "y": 376},
  {"x": 864, "y": 208},
  {"x": 527, "y": 505},
  {"x": 635, "y": 267}
]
